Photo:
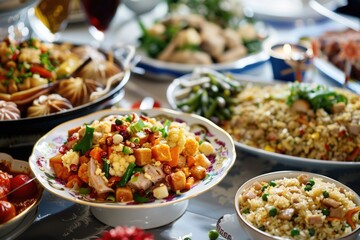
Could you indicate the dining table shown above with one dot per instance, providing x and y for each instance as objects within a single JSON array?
[{"x": 57, "y": 218}]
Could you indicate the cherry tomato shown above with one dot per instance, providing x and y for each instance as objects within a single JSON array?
[
  {"x": 25, "y": 191},
  {"x": 7, "y": 211},
  {"x": 5, "y": 184}
]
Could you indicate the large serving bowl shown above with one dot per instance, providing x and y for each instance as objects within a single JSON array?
[
  {"x": 146, "y": 215},
  {"x": 14, "y": 131},
  {"x": 265, "y": 179},
  {"x": 20, "y": 222}
]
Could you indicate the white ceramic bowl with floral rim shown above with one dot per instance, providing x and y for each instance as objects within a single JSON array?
[
  {"x": 256, "y": 233},
  {"x": 146, "y": 215},
  {"x": 23, "y": 220}
]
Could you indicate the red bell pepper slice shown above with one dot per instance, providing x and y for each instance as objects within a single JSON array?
[{"x": 43, "y": 72}]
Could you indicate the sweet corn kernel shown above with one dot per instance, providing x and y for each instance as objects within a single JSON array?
[{"x": 269, "y": 148}]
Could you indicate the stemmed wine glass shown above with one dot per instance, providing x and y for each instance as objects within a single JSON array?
[
  {"x": 99, "y": 15},
  {"x": 48, "y": 18}
]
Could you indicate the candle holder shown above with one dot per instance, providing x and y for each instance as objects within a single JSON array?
[{"x": 289, "y": 61}]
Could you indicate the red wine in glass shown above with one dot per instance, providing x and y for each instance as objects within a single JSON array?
[{"x": 100, "y": 15}]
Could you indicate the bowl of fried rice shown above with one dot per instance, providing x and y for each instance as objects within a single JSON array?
[{"x": 297, "y": 205}]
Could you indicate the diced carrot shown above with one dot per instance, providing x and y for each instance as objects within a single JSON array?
[
  {"x": 96, "y": 153},
  {"x": 83, "y": 172},
  {"x": 83, "y": 159},
  {"x": 142, "y": 156},
  {"x": 175, "y": 154},
  {"x": 56, "y": 159},
  {"x": 349, "y": 215},
  {"x": 333, "y": 218},
  {"x": 178, "y": 181},
  {"x": 190, "y": 160},
  {"x": 73, "y": 130},
  {"x": 113, "y": 180},
  {"x": 189, "y": 183},
  {"x": 61, "y": 171},
  {"x": 123, "y": 194},
  {"x": 303, "y": 120},
  {"x": 161, "y": 152},
  {"x": 74, "y": 181}
]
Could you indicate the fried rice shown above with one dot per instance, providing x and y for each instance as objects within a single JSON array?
[
  {"x": 264, "y": 120},
  {"x": 300, "y": 208}
]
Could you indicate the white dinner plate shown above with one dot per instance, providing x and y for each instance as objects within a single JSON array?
[
  {"x": 336, "y": 75},
  {"x": 266, "y": 155},
  {"x": 286, "y": 10}
]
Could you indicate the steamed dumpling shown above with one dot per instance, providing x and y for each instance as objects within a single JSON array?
[
  {"x": 9, "y": 111},
  {"x": 100, "y": 71},
  {"x": 77, "y": 90},
  {"x": 45, "y": 105}
]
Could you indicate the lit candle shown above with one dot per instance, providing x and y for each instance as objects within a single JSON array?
[{"x": 288, "y": 55}]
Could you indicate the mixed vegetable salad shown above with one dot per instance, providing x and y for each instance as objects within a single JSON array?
[{"x": 132, "y": 158}]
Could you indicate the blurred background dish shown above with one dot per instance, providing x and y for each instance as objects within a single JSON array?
[
  {"x": 285, "y": 10},
  {"x": 140, "y": 7},
  {"x": 13, "y": 18},
  {"x": 171, "y": 45}
]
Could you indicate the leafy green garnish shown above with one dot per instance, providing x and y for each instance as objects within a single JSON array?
[
  {"x": 137, "y": 127},
  {"x": 318, "y": 96},
  {"x": 85, "y": 143},
  {"x": 154, "y": 44},
  {"x": 164, "y": 131},
  {"x": 44, "y": 59}
]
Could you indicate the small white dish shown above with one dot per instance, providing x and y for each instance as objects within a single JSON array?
[
  {"x": 146, "y": 215},
  {"x": 261, "y": 235},
  {"x": 24, "y": 219}
]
